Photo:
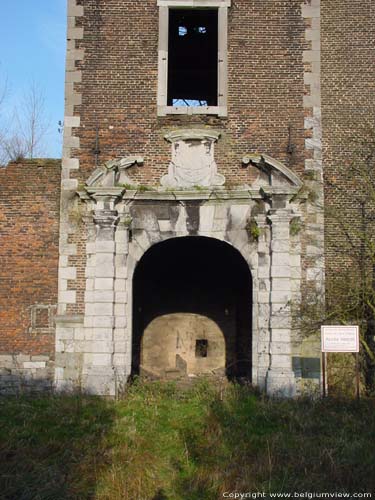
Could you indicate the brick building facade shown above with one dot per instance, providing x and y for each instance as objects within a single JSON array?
[{"x": 204, "y": 220}]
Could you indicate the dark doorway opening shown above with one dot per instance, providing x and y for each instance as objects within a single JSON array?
[
  {"x": 200, "y": 276},
  {"x": 193, "y": 57}
]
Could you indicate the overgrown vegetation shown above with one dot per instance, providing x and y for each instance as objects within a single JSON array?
[{"x": 160, "y": 442}]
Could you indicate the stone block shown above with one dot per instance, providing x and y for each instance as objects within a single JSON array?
[
  {"x": 72, "y": 121},
  {"x": 280, "y": 335},
  {"x": 206, "y": 217},
  {"x": 122, "y": 249},
  {"x": 119, "y": 309},
  {"x": 282, "y": 348},
  {"x": 102, "y": 284},
  {"x": 263, "y": 297},
  {"x": 281, "y": 284},
  {"x": 263, "y": 272},
  {"x": 263, "y": 360},
  {"x": 120, "y": 359},
  {"x": 70, "y": 163},
  {"x": 105, "y": 247},
  {"x": 79, "y": 333},
  {"x": 68, "y": 249},
  {"x": 100, "y": 309},
  {"x": 281, "y": 361},
  {"x": 295, "y": 273},
  {"x": 311, "y": 55},
  {"x": 280, "y": 297},
  {"x": 238, "y": 215},
  {"x": 40, "y": 357},
  {"x": 263, "y": 347},
  {"x": 280, "y": 246},
  {"x": 120, "y": 285},
  {"x": 68, "y": 273},
  {"x": 280, "y": 321},
  {"x": 89, "y": 297},
  {"x": 165, "y": 226},
  {"x": 104, "y": 271},
  {"x": 64, "y": 333},
  {"x": 102, "y": 359},
  {"x": 280, "y": 259},
  {"x": 101, "y": 296},
  {"x": 34, "y": 364},
  {"x": 120, "y": 321},
  {"x": 104, "y": 259},
  {"x": 121, "y": 297},
  {"x": 75, "y": 33},
  {"x": 90, "y": 284},
  {"x": 91, "y": 248},
  {"x": 103, "y": 321},
  {"x": 98, "y": 347},
  {"x": 280, "y": 271},
  {"x": 71, "y": 142},
  {"x": 67, "y": 297},
  {"x": 309, "y": 11}
]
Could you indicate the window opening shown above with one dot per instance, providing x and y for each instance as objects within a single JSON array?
[
  {"x": 201, "y": 348},
  {"x": 193, "y": 57}
]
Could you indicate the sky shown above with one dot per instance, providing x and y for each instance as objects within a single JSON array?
[{"x": 32, "y": 50}]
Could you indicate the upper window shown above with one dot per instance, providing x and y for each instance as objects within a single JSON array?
[{"x": 192, "y": 57}]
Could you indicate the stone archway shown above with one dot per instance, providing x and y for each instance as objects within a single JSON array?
[{"x": 192, "y": 310}]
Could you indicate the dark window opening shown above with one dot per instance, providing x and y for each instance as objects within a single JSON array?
[
  {"x": 193, "y": 57},
  {"x": 201, "y": 348}
]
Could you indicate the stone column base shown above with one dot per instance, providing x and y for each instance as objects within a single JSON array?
[{"x": 280, "y": 383}]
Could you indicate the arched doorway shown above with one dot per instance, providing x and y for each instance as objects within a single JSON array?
[{"x": 192, "y": 309}]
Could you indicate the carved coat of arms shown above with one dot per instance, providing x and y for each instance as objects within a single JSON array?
[{"x": 193, "y": 162}]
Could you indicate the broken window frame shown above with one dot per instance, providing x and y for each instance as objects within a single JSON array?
[{"x": 164, "y": 6}]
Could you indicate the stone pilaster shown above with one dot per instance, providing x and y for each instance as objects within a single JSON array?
[
  {"x": 262, "y": 361},
  {"x": 280, "y": 376},
  {"x": 122, "y": 325},
  {"x": 98, "y": 374}
]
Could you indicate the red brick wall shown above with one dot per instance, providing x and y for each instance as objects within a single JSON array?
[
  {"x": 119, "y": 87},
  {"x": 119, "y": 93},
  {"x": 348, "y": 105},
  {"x": 29, "y": 233}
]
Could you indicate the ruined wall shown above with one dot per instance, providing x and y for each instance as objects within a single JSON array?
[
  {"x": 119, "y": 87},
  {"x": 111, "y": 113},
  {"x": 29, "y": 222}
]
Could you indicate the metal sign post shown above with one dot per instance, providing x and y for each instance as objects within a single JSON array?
[{"x": 337, "y": 338}]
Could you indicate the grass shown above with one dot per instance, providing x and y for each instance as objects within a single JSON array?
[{"x": 164, "y": 443}]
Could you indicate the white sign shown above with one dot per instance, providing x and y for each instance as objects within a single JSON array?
[{"x": 340, "y": 338}]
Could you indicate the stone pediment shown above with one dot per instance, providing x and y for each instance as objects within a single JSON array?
[
  {"x": 193, "y": 162},
  {"x": 273, "y": 176},
  {"x": 113, "y": 173}
]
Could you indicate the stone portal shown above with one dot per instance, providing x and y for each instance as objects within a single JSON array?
[{"x": 192, "y": 310}]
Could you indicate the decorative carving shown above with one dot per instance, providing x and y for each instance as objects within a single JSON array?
[
  {"x": 106, "y": 218},
  {"x": 193, "y": 162},
  {"x": 112, "y": 173},
  {"x": 273, "y": 174}
]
